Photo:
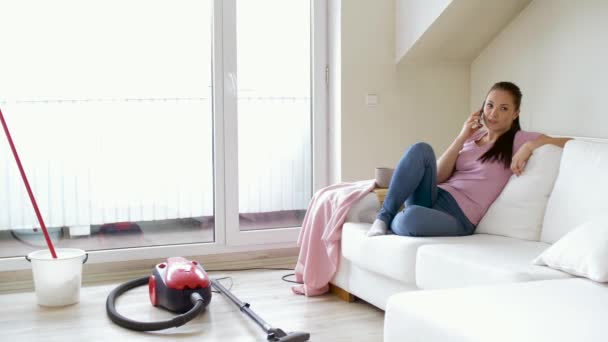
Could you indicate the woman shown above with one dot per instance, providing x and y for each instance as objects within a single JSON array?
[{"x": 448, "y": 197}]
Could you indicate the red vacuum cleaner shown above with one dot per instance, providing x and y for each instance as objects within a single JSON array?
[{"x": 182, "y": 286}]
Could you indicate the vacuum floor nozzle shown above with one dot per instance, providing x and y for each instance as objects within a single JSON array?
[{"x": 274, "y": 334}]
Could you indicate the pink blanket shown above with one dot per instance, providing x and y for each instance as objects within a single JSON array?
[{"x": 321, "y": 232}]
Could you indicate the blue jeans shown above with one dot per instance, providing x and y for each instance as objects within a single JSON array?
[{"x": 429, "y": 210}]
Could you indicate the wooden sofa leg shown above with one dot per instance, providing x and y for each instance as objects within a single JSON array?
[{"x": 341, "y": 293}]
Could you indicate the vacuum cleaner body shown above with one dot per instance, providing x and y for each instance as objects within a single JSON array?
[{"x": 173, "y": 282}]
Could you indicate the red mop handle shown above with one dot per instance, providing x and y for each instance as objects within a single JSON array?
[{"x": 27, "y": 186}]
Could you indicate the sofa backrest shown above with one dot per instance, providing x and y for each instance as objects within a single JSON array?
[
  {"x": 519, "y": 209},
  {"x": 580, "y": 190}
]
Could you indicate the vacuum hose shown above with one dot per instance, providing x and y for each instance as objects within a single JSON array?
[{"x": 197, "y": 300}]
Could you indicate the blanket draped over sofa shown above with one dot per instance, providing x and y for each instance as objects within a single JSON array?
[{"x": 319, "y": 239}]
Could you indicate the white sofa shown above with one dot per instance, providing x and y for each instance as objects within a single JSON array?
[{"x": 484, "y": 287}]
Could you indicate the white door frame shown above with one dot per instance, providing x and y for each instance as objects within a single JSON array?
[{"x": 234, "y": 236}]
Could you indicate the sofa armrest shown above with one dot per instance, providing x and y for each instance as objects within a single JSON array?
[{"x": 364, "y": 210}]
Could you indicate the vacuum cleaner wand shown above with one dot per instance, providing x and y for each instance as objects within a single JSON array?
[{"x": 274, "y": 334}]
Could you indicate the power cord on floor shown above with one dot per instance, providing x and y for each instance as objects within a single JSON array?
[
  {"x": 290, "y": 281},
  {"x": 261, "y": 268}
]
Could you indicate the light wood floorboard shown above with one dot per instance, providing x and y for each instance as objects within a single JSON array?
[{"x": 326, "y": 317}]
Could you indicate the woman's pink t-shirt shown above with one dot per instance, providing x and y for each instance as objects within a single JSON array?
[{"x": 475, "y": 185}]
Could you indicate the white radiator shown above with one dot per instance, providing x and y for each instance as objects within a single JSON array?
[{"x": 101, "y": 161}]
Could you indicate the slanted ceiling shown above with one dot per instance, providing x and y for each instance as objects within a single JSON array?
[{"x": 461, "y": 31}]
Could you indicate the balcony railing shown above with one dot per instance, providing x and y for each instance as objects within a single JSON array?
[{"x": 97, "y": 161}]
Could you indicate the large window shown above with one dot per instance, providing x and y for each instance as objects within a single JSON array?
[{"x": 152, "y": 123}]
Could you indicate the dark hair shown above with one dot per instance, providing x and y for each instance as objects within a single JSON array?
[{"x": 502, "y": 151}]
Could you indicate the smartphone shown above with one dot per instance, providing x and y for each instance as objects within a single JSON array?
[{"x": 481, "y": 119}]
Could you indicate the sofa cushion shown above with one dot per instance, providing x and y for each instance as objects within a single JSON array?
[
  {"x": 519, "y": 209},
  {"x": 470, "y": 263},
  {"x": 392, "y": 255},
  {"x": 582, "y": 252},
  {"x": 539, "y": 311},
  {"x": 580, "y": 189}
]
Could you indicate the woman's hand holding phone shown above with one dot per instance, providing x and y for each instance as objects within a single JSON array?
[{"x": 472, "y": 124}]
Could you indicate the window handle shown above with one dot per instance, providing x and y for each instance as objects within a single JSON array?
[{"x": 233, "y": 84}]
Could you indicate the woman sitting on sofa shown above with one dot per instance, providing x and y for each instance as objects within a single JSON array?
[{"x": 448, "y": 197}]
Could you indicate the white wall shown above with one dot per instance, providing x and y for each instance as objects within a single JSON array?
[
  {"x": 413, "y": 18},
  {"x": 556, "y": 51},
  {"x": 416, "y": 102}
]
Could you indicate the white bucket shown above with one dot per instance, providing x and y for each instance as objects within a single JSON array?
[{"x": 57, "y": 281}]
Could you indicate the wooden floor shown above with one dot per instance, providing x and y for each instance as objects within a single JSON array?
[{"x": 326, "y": 317}]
